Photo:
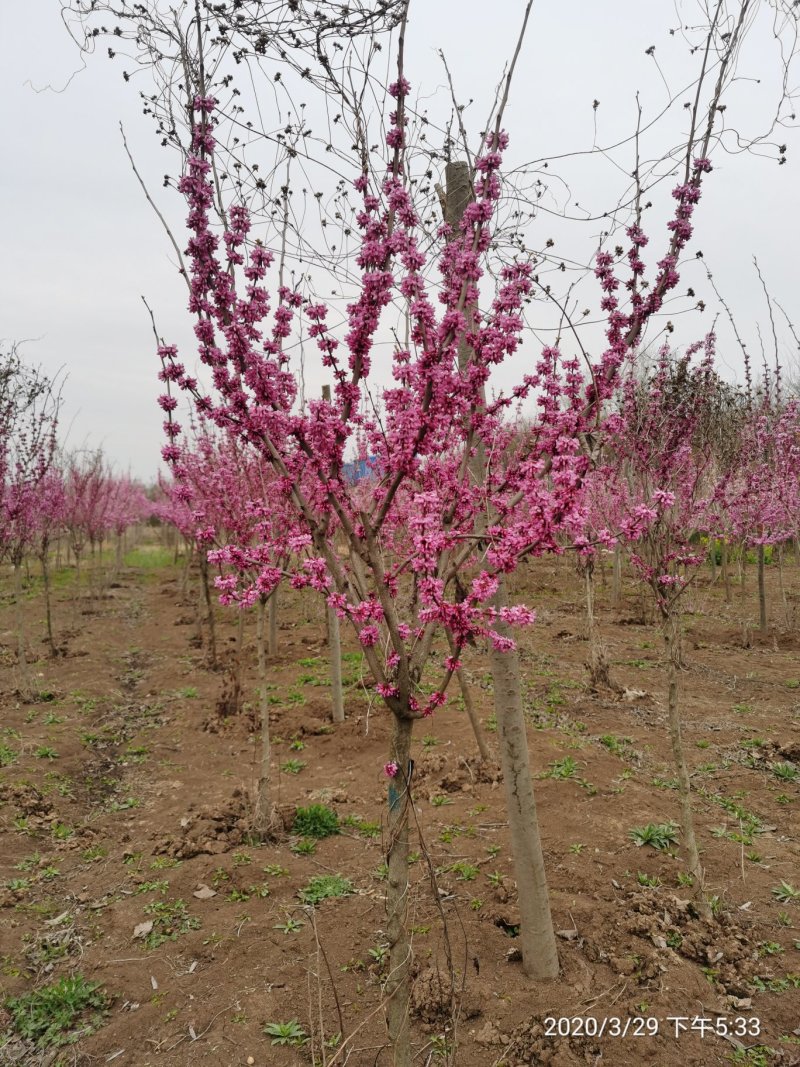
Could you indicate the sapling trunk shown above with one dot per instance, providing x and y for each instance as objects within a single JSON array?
[
  {"x": 273, "y": 622},
  {"x": 472, "y": 715},
  {"x": 469, "y": 707},
  {"x": 671, "y": 627},
  {"x": 239, "y": 668},
  {"x": 209, "y": 606},
  {"x": 762, "y": 592},
  {"x": 537, "y": 939},
  {"x": 712, "y": 558},
  {"x": 726, "y": 574},
  {"x": 398, "y": 982},
  {"x": 335, "y": 653},
  {"x": 616, "y": 577},
  {"x": 47, "y": 605},
  {"x": 599, "y": 672},
  {"x": 22, "y": 659},
  {"x": 264, "y": 814},
  {"x": 782, "y": 585}
]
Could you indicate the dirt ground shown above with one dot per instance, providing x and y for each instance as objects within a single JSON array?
[{"x": 124, "y": 795}]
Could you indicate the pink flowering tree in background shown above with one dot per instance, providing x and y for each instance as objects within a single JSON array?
[
  {"x": 128, "y": 505},
  {"x": 49, "y": 527},
  {"x": 657, "y": 487},
  {"x": 29, "y": 405},
  {"x": 760, "y": 493}
]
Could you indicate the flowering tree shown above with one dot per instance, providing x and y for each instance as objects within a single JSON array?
[
  {"x": 451, "y": 511},
  {"x": 29, "y": 404},
  {"x": 657, "y": 489},
  {"x": 760, "y": 493}
]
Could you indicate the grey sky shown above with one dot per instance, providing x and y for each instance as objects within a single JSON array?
[{"x": 80, "y": 244}]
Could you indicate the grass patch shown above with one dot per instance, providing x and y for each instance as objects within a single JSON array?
[
  {"x": 317, "y": 820},
  {"x": 323, "y": 886},
  {"x": 59, "y": 1013}
]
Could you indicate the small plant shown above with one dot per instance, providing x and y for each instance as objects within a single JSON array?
[
  {"x": 153, "y": 887},
  {"x": 467, "y": 872},
  {"x": 242, "y": 859},
  {"x": 94, "y": 853},
  {"x": 770, "y": 948},
  {"x": 717, "y": 905},
  {"x": 379, "y": 954},
  {"x": 651, "y": 881},
  {"x": 577, "y": 847},
  {"x": 291, "y": 926},
  {"x": 189, "y": 692},
  {"x": 291, "y": 1033},
  {"x": 170, "y": 919},
  {"x": 59, "y": 1013},
  {"x": 297, "y": 745},
  {"x": 429, "y": 741},
  {"x": 440, "y": 800},
  {"x": 685, "y": 879},
  {"x": 292, "y": 766},
  {"x": 495, "y": 879},
  {"x": 317, "y": 820},
  {"x": 786, "y": 772},
  {"x": 323, "y": 886},
  {"x": 658, "y": 835},
  {"x": 562, "y": 768},
  {"x": 7, "y": 755},
  {"x": 306, "y": 846},
  {"x": 274, "y": 870},
  {"x": 785, "y": 893},
  {"x": 45, "y": 752},
  {"x": 793, "y": 683}
]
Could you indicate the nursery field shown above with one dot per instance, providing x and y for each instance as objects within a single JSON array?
[{"x": 137, "y": 912}]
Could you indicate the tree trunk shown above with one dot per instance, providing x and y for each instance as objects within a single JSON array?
[
  {"x": 469, "y": 707},
  {"x": 712, "y": 558},
  {"x": 22, "y": 659},
  {"x": 782, "y": 586},
  {"x": 616, "y": 577},
  {"x": 539, "y": 954},
  {"x": 47, "y": 605},
  {"x": 599, "y": 671},
  {"x": 273, "y": 622},
  {"x": 212, "y": 635},
  {"x": 264, "y": 818},
  {"x": 398, "y": 983},
  {"x": 537, "y": 939},
  {"x": 762, "y": 592},
  {"x": 726, "y": 574},
  {"x": 671, "y": 623},
  {"x": 335, "y": 652}
]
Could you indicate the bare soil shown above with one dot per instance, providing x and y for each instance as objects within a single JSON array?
[{"x": 127, "y": 787}]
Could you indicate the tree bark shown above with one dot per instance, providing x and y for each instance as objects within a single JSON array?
[
  {"x": 726, "y": 574},
  {"x": 599, "y": 671},
  {"x": 616, "y": 577},
  {"x": 762, "y": 592},
  {"x": 335, "y": 652},
  {"x": 47, "y": 604},
  {"x": 273, "y": 622},
  {"x": 537, "y": 938},
  {"x": 22, "y": 659},
  {"x": 212, "y": 635},
  {"x": 671, "y": 625},
  {"x": 264, "y": 818},
  {"x": 398, "y": 982}
]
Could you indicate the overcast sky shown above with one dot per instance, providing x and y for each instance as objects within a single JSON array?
[{"x": 81, "y": 245}]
